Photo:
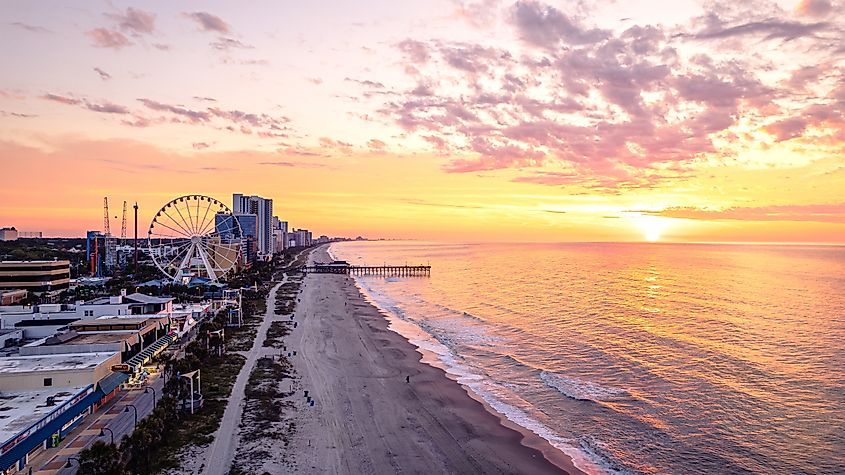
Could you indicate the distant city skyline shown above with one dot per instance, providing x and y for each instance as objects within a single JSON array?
[{"x": 448, "y": 120}]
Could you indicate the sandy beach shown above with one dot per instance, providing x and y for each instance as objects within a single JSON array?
[{"x": 368, "y": 419}]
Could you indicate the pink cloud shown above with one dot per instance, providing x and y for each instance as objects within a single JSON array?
[
  {"x": 814, "y": 8},
  {"x": 208, "y": 22},
  {"x": 61, "y": 99},
  {"x": 105, "y": 38},
  {"x": 825, "y": 213},
  {"x": 103, "y": 75},
  {"x": 135, "y": 21}
]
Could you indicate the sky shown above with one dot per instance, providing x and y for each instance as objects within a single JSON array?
[{"x": 447, "y": 120}]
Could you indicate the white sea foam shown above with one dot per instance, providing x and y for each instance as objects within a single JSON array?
[{"x": 579, "y": 389}]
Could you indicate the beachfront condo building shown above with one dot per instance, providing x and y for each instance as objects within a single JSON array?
[{"x": 263, "y": 209}]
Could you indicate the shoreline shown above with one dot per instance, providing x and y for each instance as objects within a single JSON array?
[{"x": 434, "y": 423}]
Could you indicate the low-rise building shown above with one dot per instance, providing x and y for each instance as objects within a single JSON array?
[
  {"x": 8, "y": 234},
  {"x": 126, "y": 336},
  {"x": 44, "y": 397},
  {"x": 10, "y": 337},
  {"x": 41, "y": 321},
  {"x": 13, "y": 296},
  {"x": 38, "y": 277},
  {"x": 34, "y": 372}
]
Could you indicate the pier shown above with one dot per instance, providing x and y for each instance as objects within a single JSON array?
[{"x": 341, "y": 267}]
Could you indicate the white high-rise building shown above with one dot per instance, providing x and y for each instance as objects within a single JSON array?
[
  {"x": 280, "y": 233},
  {"x": 263, "y": 208}
]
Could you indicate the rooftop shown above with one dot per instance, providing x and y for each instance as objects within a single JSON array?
[
  {"x": 107, "y": 321},
  {"x": 135, "y": 298},
  {"x": 17, "y": 263},
  {"x": 21, "y": 409},
  {"x": 61, "y": 362},
  {"x": 98, "y": 338}
]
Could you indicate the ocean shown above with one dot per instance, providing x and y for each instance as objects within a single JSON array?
[{"x": 637, "y": 358}]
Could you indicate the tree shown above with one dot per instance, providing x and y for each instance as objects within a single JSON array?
[{"x": 101, "y": 459}]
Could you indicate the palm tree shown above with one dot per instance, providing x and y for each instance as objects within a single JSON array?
[{"x": 101, "y": 459}]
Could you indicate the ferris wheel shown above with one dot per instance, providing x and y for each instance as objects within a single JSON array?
[{"x": 194, "y": 236}]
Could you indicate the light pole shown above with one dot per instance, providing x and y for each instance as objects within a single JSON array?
[
  {"x": 70, "y": 465},
  {"x": 103, "y": 434},
  {"x": 135, "y": 409},
  {"x": 155, "y": 395}
]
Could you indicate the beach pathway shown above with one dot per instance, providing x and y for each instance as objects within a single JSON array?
[{"x": 226, "y": 439}]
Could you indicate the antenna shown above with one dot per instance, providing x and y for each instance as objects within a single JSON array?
[
  {"x": 123, "y": 226},
  {"x": 106, "y": 227},
  {"x": 136, "y": 237}
]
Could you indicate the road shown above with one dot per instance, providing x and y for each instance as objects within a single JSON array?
[{"x": 226, "y": 439}]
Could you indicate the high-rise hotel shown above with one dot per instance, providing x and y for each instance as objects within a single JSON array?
[{"x": 262, "y": 208}]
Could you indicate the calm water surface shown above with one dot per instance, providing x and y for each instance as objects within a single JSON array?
[{"x": 639, "y": 358}]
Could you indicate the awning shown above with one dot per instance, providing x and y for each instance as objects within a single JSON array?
[{"x": 111, "y": 382}]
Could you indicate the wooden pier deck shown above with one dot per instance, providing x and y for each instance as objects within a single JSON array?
[{"x": 384, "y": 271}]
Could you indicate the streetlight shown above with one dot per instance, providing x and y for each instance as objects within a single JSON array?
[
  {"x": 155, "y": 395},
  {"x": 136, "y": 413},
  {"x": 103, "y": 434},
  {"x": 70, "y": 465}
]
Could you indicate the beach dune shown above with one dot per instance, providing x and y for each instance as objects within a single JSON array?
[{"x": 367, "y": 419}]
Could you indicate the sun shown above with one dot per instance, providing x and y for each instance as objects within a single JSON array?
[{"x": 652, "y": 227}]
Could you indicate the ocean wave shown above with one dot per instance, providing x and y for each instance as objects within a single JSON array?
[
  {"x": 580, "y": 390},
  {"x": 593, "y": 448}
]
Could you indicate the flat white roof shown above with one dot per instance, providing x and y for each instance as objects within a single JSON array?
[
  {"x": 21, "y": 409},
  {"x": 58, "y": 362}
]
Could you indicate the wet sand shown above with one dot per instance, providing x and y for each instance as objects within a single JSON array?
[{"x": 367, "y": 419}]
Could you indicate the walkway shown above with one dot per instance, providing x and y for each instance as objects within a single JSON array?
[
  {"x": 111, "y": 416},
  {"x": 226, "y": 441}
]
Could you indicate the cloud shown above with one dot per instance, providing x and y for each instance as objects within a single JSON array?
[
  {"x": 106, "y": 107},
  {"x": 193, "y": 116},
  {"x": 285, "y": 164},
  {"x": 201, "y": 145},
  {"x": 419, "y": 202},
  {"x": 825, "y": 213},
  {"x": 814, "y": 8},
  {"x": 545, "y": 26},
  {"x": 225, "y": 44},
  {"x": 134, "y": 21},
  {"x": 415, "y": 51},
  {"x": 631, "y": 108},
  {"x": 106, "y": 38},
  {"x": 787, "y": 129},
  {"x": 30, "y": 28},
  {"x": 103, "y": 75},
  {"x": 770, "y": 29},
  {"x": 327, "y": 142},
  {"x": 205, "y": 98},
  {"x": 102, "y": 107},
  {"x": 61, "y": 99},
  {"x": 376, "y": 145},
  {"x": 19, "y": 115},
  {"x": 315, "y": 81},
  {"x": 365, "y": 83},
  {"x": 208, "y": 22}
]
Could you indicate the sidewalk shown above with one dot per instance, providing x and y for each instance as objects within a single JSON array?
[{"x": 112, "y": 416}]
